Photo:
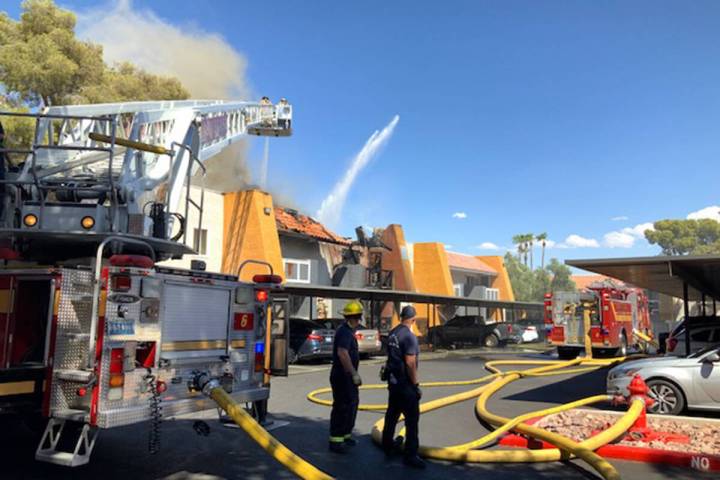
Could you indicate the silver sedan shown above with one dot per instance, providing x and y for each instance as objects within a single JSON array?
[{"x": 675, "y": 383}]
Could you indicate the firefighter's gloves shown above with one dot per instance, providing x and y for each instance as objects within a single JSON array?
[
  {"x": 356, "y": 379},
  {"x": 418, "y": 392}
]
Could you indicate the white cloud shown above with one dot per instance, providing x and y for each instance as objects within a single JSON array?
[
  {"x": 576, "y": 241},
  {"x": 460, "y": 215},
  {"x": 488, "y": 246},
  {"x": 626, "y": 237},
  {"x": 548, "y": 244},
  {"x": 618, "y": 240},
  {"x": 448, "y": 247},
  {"x": 712, "y": 212},
  {"x": 620, "y": 218}
]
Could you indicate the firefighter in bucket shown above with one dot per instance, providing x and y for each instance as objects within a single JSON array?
[{"x": 345, "y": 380}]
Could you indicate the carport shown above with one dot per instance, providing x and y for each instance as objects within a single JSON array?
[
  {"x": 691, "y": 278},
  {"x": 513, "y": 311}
]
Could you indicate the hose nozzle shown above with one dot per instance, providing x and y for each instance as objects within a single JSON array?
[{"x": 203, "y": 382}]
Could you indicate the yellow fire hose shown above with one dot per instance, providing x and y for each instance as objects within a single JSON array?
[
  {"x": 270, "y": 444},
  {"x": 646, "y": 338},
  {"x": 566, "y": 447}
]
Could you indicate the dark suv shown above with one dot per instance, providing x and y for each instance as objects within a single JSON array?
[
  {"x": 309, "y": 340},
  {"x": 473, "y": 330}
]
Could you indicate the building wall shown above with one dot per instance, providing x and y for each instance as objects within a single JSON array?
[
  {"x": 296, "y": 248},
  {"x": 474, "y": 285},
  {"x": 502, "y": 281},
  {"x": 250, "y": 233},
  {"x": 212, "y": 222},
  {"x": 432, "y": 275}
]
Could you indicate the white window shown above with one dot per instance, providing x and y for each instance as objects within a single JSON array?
[
  {"x": 297, "y": 270},
  {"x": 200, "y": 241},
  {"x": 459, "y": 290}
]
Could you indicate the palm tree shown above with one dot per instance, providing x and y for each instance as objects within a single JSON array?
[
  {"x": 542, "y": 238},
  {"x": 530, "y": 237},
  {"x": 518, "y": 240}
]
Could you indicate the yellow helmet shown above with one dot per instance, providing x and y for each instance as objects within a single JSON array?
[{"x": 352, "y": 308}]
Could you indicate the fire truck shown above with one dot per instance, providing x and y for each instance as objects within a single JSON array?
[
  {"x": 94, "y": 332},
  {"x": 617, "y": 316}
]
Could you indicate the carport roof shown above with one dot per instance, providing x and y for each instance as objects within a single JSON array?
[{"x": 662, "y": 274}]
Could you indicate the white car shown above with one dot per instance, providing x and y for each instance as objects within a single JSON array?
[
  {"x": 530, "y": 334},
  {"x": 675, "y": 383}
]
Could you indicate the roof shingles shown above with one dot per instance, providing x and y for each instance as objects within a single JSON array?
[
  {"x": 468, "y": 262},
  {"x": 291, "y": 221}
]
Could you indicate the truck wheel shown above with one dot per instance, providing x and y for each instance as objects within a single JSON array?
[
  {"x": 567, "y": 353},
  {"x": 669, "y": 399},
  {"x": 491, "y": 341},
  {"x": 623, "y": 348}
]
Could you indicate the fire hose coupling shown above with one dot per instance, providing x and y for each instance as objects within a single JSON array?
[{"x": 203, "y": 382}]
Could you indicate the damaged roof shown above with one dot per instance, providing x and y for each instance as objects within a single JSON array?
[
  {"x": 289, "y": 220},
  {"x": 460, "y": 261}
]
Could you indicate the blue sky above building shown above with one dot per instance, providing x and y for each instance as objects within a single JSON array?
[{"x": 582, "y": 119}]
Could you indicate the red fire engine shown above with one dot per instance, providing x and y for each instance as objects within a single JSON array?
[{"x": 616, "y": 315}]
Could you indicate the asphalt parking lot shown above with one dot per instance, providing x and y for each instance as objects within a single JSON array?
[{"x": 227, "y": 453}]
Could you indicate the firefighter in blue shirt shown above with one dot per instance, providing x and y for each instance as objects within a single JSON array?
[
  {"x": 403, "y": 387},
  {"x": 345, "y": 380}
]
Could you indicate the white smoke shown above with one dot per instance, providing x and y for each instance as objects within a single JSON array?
[
  {"x": 206, "y": 64},
  {"x": 331, "y": 208}
]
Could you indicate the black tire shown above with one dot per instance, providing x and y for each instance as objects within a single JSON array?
[
  {"x": 292, "y": 356},
  {"x": 491, "y": 341},
  {"x": 623, "y": 348},
  {"x": 669, "y": 399},
  {"x": 567, "y": 353}
]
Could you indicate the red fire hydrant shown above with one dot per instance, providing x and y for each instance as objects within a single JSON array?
[{"x": 640, "y": 432}]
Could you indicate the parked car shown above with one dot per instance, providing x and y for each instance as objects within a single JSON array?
[
  {"x": 309, "y": 340},
  {"x": 473, "y": 330},
  {"x": 675, "y": 383},
  {"x": 704, "y": 331},
  {"x": 530, "y": 334},
  {"x": 368, "y": 338}
]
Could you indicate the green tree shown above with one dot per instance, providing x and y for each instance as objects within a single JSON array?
[
  {"x": 43, "y": 63},
  {"x": 125, "y": 81},
  {"x": 542, "y": 240},
  {"x": 531, "y": 286},
  {"x": 683, "y": 237},
  {"x": 561, "y": 277},
  {"x": 519, "y": 242},
  {"x": 521, "y": 278},
  {"x": 529, "y": 239}
]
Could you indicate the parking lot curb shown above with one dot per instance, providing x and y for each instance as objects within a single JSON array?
[{"x": 697, "y": 461}]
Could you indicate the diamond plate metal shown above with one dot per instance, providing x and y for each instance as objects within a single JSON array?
[
  {"x": 71, "y": 344},
  {"x": 134, "y": 405}
]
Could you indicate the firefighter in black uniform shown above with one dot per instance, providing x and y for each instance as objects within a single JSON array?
[
  {"x": 404, "y": 388},
  {"x": 345, "y": 380}
]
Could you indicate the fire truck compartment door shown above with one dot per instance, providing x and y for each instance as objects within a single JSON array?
[
  {"x": 195, "y": 318},
  {"x": 279, "y": 338}
]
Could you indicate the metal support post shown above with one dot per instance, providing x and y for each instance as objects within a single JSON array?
[{"x": 686, "y": 309}]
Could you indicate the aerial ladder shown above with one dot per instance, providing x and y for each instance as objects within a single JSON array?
[
  {"x": 92, "y": 330},
  {"x": 102, "y": 170}
]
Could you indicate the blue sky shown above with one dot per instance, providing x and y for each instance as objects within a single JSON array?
[{"x": 526, "y": 116}]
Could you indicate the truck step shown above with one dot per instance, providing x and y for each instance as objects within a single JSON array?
[
  {"x": 71, "y": 414},
  {"x": 66, "y": 459},
  {"x": 81, "y": 376},
  {"x": 84, "y": 442}
]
